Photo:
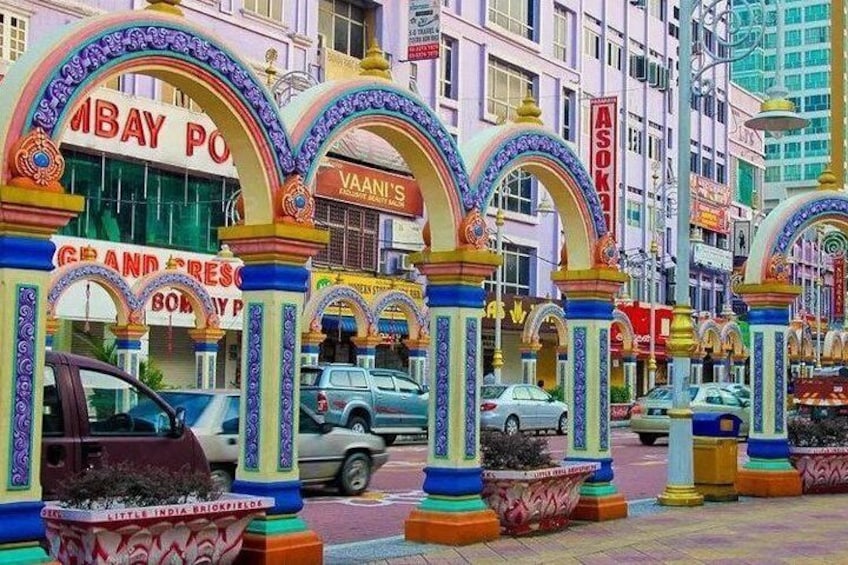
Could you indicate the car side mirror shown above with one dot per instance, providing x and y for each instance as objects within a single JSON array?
[
  {"x": 178, "y": 429},
  {"x": 325, "y": 427}
]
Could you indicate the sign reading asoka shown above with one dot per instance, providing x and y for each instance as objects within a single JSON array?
[
  {"x": 602, "y": 166},
  {"x": 369, "y": 187}
]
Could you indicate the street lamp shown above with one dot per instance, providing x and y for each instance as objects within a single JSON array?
[{"x": 722, "y": 19}]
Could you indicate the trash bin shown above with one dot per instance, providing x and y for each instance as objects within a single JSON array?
[{"x": 715, "y": 455}]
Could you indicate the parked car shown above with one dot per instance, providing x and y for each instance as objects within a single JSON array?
[
  {"x": 379, "y": 401},
  {"x": 740, "y": 390},
  {"x": 649, "y": 416},
  {"x": 95, "y": 414},
  {"x": 326, "y": 455},
  {"x": 521, "y": 407}
]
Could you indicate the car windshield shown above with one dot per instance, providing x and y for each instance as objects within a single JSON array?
[
  {"x": 742, "y": 392},
  {"x": 194, "y": 404},
  {"x": 665, "y": 393},
  {"x": 491, "y": 391},
  {"x": 309, "y": 376}
]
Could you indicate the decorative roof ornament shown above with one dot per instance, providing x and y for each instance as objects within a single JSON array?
[
  {"x": 375, "y": 63},
  {"x": 166, "y": 6},
  {"x": 528, "y": 112}
]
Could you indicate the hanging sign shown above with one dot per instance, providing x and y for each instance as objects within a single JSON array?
[
  {"x": 839, "y": 286},
  {"x": 424, "y": 30},
  {"x": 603, "y": 158}
]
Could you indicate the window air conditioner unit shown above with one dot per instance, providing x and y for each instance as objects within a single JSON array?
[
  {"x": 637, "y": 67},
  {"x": 653, "y": 73}
]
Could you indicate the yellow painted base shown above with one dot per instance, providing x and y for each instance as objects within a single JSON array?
[
  {"x": 768, "y": 484},
  {"x": 452, "y": 528},
  {"x": 302, "y": 548},
  {"x": 675, "y": 495},
  {"x": 717, "y": 493}
]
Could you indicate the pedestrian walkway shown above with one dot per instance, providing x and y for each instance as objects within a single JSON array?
[{"x": 808, "y": 529}]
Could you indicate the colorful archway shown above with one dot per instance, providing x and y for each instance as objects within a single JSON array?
[
  {"x": 625, "y": 326},
  {"x": 537, "y": 316},
  {"x": 416, "y": 317},
  {"x": 316, "y": 309},
  {"x": 205, "y": 314},
  {"x": 832, "y": 348},
  {"x": 731, "y": 338},
  {"x": 104, "y": 276}
]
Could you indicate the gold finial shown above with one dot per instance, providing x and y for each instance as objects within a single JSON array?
[
  {"x": 271, "y": 71},
  {"x": 166, "y": 6},
  {"x": 652, "y": 363},
  {"x": 654, "y": 247},
  {"x": 375, "y": 63},
  {"x": 499, "y": 217},
  {"x": 528, "y": 112},
  {"x": 171, "y": 265},
  {"x": 88, "y": 253},
  {"x": 339, "y": 278},
  {"x": 827, "y": 180}
]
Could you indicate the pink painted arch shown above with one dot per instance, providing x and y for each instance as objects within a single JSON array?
[
  {"x": 104, "y": 276},
  {"x": 201, "y": 302}
]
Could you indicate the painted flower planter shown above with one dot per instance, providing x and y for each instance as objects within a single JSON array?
[
  {"x": 824, "y": 470},
  {"x": 620, "y": 412},
  {"x": 193, "y": 533},
  {"x": 531, "y": 501}
]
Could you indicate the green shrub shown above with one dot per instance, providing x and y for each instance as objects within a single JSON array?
[
  {"x": 830, "y": 432},
  {"x": 151, "y": 375},
  {"x": 620, "y": 394},
  {"x": 558, "y": 393}
]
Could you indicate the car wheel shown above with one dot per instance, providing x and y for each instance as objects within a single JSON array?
[
  {"x": 389, "y": 439},
  {"x": 511, "y": 426},
  {"x": 359, "y": 425},
  {"x": 648, "y": 439},
  {"x": 355, "y": 474},
  {"x": 563, "y": 424},
  {"x": 222, "y": 479}
]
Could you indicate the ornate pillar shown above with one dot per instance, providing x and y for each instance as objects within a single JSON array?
[
  {"x": 739, "y": 370},
  {"x": 274, "y": 283},
  {"x": 768, "y": 471},
  {"x": 720, "y": 369},
  {"x": 562, "y": 368},
  {"x": 50, "y": 329},
  {"x": 629, "y": 361},
  {"x": 529, "y": 354},
  {"x": 366, "y": 350},
  {"x": 453, "y": 512},
  {"x": 310, "y": 348},
  {"x": 128, "y": 346},
  {"x": 417, "y": 349},
  {"x": 697, "y": 369},
  {"x": 29, "y": 214},
  {"x": 206, "y": 355},
  {"x": 588, "y": 309}
]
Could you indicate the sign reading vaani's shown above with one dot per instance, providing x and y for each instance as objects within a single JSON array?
[{"x": 364, "y": 186}]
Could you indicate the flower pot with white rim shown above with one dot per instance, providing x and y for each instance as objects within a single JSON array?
[
  {"x": 824, "y": 470},
  {"x": 190, "y": 533}
]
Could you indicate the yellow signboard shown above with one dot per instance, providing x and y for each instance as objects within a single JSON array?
[{"x": 366, "y": 285}]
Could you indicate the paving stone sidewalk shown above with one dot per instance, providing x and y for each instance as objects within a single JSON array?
[{"x": 810, "y": 529}]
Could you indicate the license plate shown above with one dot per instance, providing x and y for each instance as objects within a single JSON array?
[{"x": 656, "y": 412}]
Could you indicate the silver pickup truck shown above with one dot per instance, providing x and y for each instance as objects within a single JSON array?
[{"x": 380, "y": 401}]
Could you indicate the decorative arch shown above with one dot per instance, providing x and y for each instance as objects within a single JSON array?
[
  {"x": 44, "y": 87},
  {"x": 319, "y": 302},
  {"x": 793, "y": 344},
  {"x": 782, "y": 227},
  {"x": 709, "y": 335},
  {"x": 201, "y": 302},
  {"x": 627, "y": 332},
  {"x": 832, "y": 346},
  {"x": 538, "y": 314},
  {"x": 731, "y": 338},
  {"x": 493, "y": 153},
  {"x": 807, "y": 343},
  {"x": 106, "y": 277},
  {"x": 416, "y": 317},
  {"x": 319, "y": 115}
]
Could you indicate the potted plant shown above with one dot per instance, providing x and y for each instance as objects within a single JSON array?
[
  {"x": 126, "y": 514},
  {"x": 523, "y": 485},
  {"x": 620, "y": 404},
  {"x": 818, "y": 449}
]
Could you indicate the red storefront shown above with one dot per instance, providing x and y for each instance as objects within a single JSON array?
[{"x": 639, "y": 314}]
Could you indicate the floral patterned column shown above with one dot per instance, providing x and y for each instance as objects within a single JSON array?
[
  {"x": 128, "y": 346},
  {"x": 418, "y": 359},
  {"x": 274, "y": 283},
  {"x": 588, "y": 309},
  {"x": 206, "y": 356},
  {"x": 453, "y": 512},
  {"x": 32, "y": 207},
  {"x": 768, "y": 471},
  {"x": 739, "y": 364},
  {"x": 529, "y": 354}
]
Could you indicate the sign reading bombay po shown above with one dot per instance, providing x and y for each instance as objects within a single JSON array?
[
  {"x": 371, "y": 188},
  {"x": 603, "y": 161}
]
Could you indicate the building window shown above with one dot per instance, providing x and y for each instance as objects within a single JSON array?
[
  {"x": 568, "y": 124},
  {"x": 343, "y": 24},
  {"x": 614, "y": 55},
  {"x": 773, "y": 174},
  {"x": 508, "y": 85},
  {"x": 816, "y": 102},
  {"x": 707, "y": 167},
  {"x": 448, "y": 62},
  {"x": 813, "y": 170},
  {"x": 635, "y": 136},
  {"x": 13, "y": 36},
  {"x": 816, "y": 148},
  {"x": 792, "y": 150},
  {"x": 514, "y": 15},
  {"x": 561, "y": 32},
  {"x": 792, "y": 172},
  {"x": 634, "y": 214},
  {"x": 517, "y": 193},
  {"x": 271, "y": 9},
  {"x": 721, "y": 111},
  {"x": 721, "y": 174},
  {"x": 591, "y": 43},
  {"x": 816, "y": 57},
  {"x": 353, "y": 236},
  {"x": 516, "y": 270},
  {"x": 815, "y": 35}
]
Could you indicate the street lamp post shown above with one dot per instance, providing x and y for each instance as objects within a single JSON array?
[
  {"x": 819, "y": 261},
  {"x": 497, "y": 356}
]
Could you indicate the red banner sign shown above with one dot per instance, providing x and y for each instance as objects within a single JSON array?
[
  {"x": 371, "y": 188},
  {"x": 710, "y": 190},
  {"x": 640, "y": 318},
  {"x": 710, "y": 216},
  {"x": 839, "y": 286},
  {"x": 603, "y": 154}
]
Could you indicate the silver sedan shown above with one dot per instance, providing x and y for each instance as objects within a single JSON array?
[{"x": 520, "y": 407}]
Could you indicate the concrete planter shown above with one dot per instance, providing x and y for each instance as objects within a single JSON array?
[
  {"x": 530, "y": 501},
  {"x": 193, "y": 533},
  {"x": 620, "y": 412},
  {"x": 824, "y": 470}
]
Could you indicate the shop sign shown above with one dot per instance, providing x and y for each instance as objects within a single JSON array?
[
  {"x": 371, "y": 188},
  {"x": 119, "y": 124},
  {"x": 709, "y": 190},
  {"x": 167, "y": 307},
  {"x": 741, "y": 238},
  {"x": 603, "y": 158},
  {"x": 640, "y": 319},
  {"x": 513, "y": 312},
  {"x": 839, "y": 286},
  {"x": 367, "y": 286},
  {"x": 424, "y": 30},
  {"x": 712, "y": 257},
  {"x": 710, "y": 216}
]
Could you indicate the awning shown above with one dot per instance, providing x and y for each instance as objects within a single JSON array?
[{"x": 348, "y": 324}]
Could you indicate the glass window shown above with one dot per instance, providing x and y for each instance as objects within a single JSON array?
[
  {"x": 816, "y": 102},
  {"x": 791, "y": 60},
  {"x": 194, "y": 404},
  {"x": 516, "y": 270},
  {"x": 634, "y": 214},
  {"x": 812, "y": 172},
  {"x": 353, "y": 236},
  {"x": 407, "y": 386},
  {"x": 448, "y": 62},
  {"x": 491, "y": 392},
  {"x": 309, "y": 376},
  {"x": 792, "y": 172},
  {"x": 819, "y": 79},
  {"x": 562, "y": 19},
  {"x": 383, "y": 382},
  {"x": 816, "y": 12},
  {"x": 52, "y": 421},
  {"x": 231, "y": 414},
  {"x": 515, "y": 193},
  {"x": 614, "y": 55},
  {"x": 568, "y": 125},
  {"x": 272, "y": 9},
  {"x": 635, "y": 137},
  {"x": 817, "y": 57},
  {"x": 117, "y": 407},
  {"x": 357, "y": 379},
  {"x": 339, "y": 378},
  {"x": 729, "y": 399},
  {"x": 792, "y": 16},
  {"x": 792, "y": 150},
  {"x": 514, "y": 15},
  {"x": 343, "y": 25},
  {"x": 816, "y": 148},
  {"x": 773, "y": 174},
  {"x": 721, "y": 173},
  {"x": 591, "y": 43},
  {"x": 538, "y": 394},
  {"x": 813, "y": 35},
  {"x": 712, "y": 396},
  {"x": 793, "y": 38},
  {"x": 307, "y": 424},
  {"x": 508, "y": 85},
  {"x": 13, "y": 36},
  {"x": 521, "y": 393}
]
